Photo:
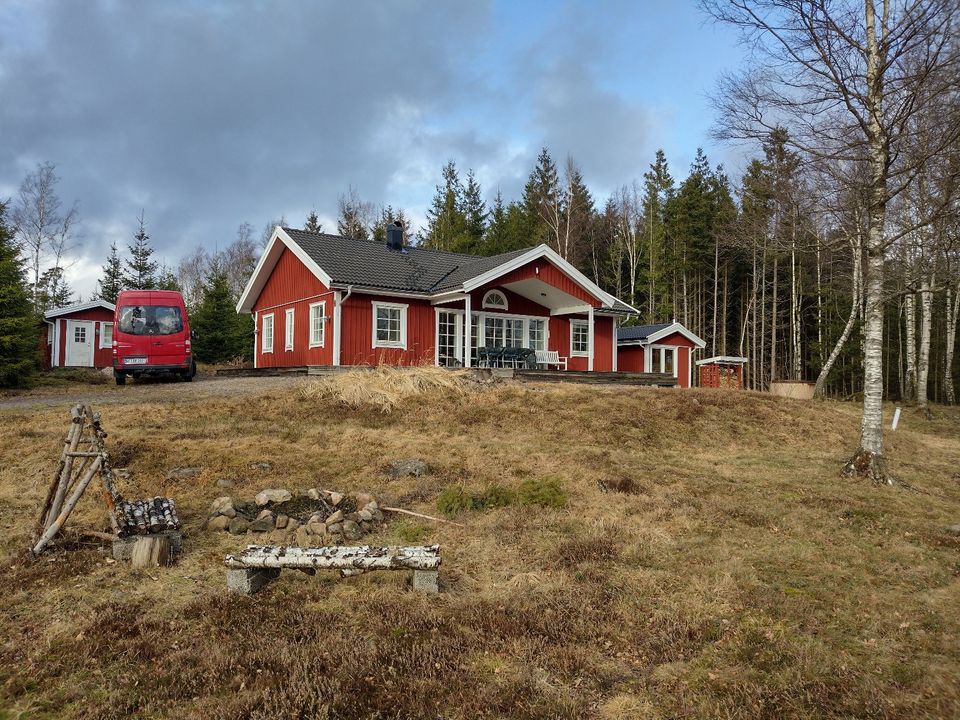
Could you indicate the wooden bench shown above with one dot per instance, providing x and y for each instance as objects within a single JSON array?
[
  {"x": 551, "y": 357},
  {"x": 258, "y": 565}
]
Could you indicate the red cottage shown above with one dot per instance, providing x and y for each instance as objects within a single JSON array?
[
  {"x": 78, "y": 335},
  {"x": 662, "y": 347},
  {"x": 320, "y": 299}
]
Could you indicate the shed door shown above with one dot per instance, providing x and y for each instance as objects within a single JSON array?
[{"x": 79, "y": 351}]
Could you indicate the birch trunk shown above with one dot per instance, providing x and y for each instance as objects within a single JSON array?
[
  {"x": 910, "y": 348},
  {"x": 953, "y": 309},
  {"x": 851, "y": 320},
  {"x": 773, "y": 323},
  {"x": 923, "y": 363}
]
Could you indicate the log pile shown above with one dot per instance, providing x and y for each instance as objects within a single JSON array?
[{"x": 84, "y": 457}]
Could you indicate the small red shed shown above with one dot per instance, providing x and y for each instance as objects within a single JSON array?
[
  {"x": 659, "y": 347},
  {"x": 79, "y": 335},
  {"x": 722, "y": 371}
]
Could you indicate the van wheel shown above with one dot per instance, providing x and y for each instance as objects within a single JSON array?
[
  {"x": 188, "y": 375},
  {"x": 121, "y": 378}
]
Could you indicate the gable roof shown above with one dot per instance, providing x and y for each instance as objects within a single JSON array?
[
  {"x": 341, "y": 262},
  {"x": 640, "y": 332},
  {"x": 646, "y": 334},
  {"x": 79, "y": 307}
]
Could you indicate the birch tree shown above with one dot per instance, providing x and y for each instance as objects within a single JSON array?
[{"x": 848, "y": 78}]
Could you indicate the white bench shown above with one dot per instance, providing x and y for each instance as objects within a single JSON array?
[
  {"x": 258, "y": 565},
  {"x": 551, "y": 357}
]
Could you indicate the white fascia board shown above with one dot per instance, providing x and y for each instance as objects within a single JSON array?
[
  {"x": 447, "y": 298},
  {"x": 268, "y": 261},
  {"x": 542, "y": 251},
  {"x": 384, "y": 292},
  {"x": 675, "y": 328},
  {"x": 570, "y": 310},
  {"x": 79, "y": 307},
  {"x": 729, "y": 359}
]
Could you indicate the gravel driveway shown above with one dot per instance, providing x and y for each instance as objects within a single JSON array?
[{"x": 151, "y": 391}]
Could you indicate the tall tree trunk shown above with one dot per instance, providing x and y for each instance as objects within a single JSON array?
[
  {"x": 773, "y": 323},
  {"x": 716, "y": 287},
  {"x": 923, "y": 364},
  {"x": 953, "y": 310},
  {"x": 763, "y": 319},
  {"x": 857, "y": 284},
  {"x": 820, "y": 346},
  {"x": 910, "y": 341},
  {"x": 723, "y": 320}
]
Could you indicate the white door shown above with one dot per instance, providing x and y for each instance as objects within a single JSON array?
[{"x": 79, "y": 343}]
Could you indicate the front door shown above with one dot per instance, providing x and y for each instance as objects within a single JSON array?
[
  {"x": 449, "y": 338},
  {"x": 79, "y": 343}
]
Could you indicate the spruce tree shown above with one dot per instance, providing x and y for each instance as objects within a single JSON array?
[
  {"x": 53, "y": 290},
  {"x": 475, "y": 214},
  {"x": 221, "y": 336},
  {"x": 541, "y": 198},
  {"x": 141, "y": 272},
  {"x": 658, "y": 190},
  {"x": 446, "y": 221},
  {"x": 111, "y": 281},
  {"x": 18, "y": 325},
  {"x": 313, "y": 223}
]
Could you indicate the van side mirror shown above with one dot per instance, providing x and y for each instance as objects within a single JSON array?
[{"x": 193, "y": 334}]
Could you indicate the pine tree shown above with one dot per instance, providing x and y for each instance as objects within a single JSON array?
[
  {"x": 446, "y": 222},
  {"x": 141, "y": 269},
  {"x": 658, "y": 190},
  {"x": 18, "y": 326},
  {"x": 111, "y": 282},
  {"x": 167, "y": 279},
  {"x": 475, "y": 214},
  {"x": 221, "y": 336},
  {"x": 313, "y": 223},
  {"x": 541, "y": 199},
  {"x": 53, "y": 290}
]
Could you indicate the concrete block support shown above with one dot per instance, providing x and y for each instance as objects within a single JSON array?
[
  {"x": 249, "y": 581},
  {"x": 425, "y": 581}
]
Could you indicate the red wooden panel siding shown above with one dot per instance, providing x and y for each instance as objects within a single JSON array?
[
  {"x": 551, "y": 275},
  {"x": 292, "y": 285},
  {"x": 630, "y": 358},
  {"x": 102, "y": 357},
  {"x": 357, "y": 340}
]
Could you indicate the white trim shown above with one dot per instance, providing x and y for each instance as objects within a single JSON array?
[
  {"x": 79, "y": 307},
  {"x": 103, "y": 325},
  {"x": 578, "y": 322},
  {"x": 553, "y": 256},
  {"x": 256, "y": 334},
  {"x": 55, "y": 355},
  {"x": 447, "y": 298},
  {"x": 386, "y": 292},
  {"x": 457, "y": 333},
  {"x": 488, "y": 303},
  {"x": 289, "y": 328},
  {"x": 675, "y": 328},
  {"x": 268, "y": 261},
  {"x": 590, "y": 334},
  {"x": 571, "y": 310},
  {"x": 724, "y": 359},
  {"x": 402, "y": 307},
  {"x": 273, "y": 334},
  {"x": 89, "y": 328},
  {"x": 689, "y": 368},
  {"x": 467, "y": 332},
  {"x": 616, "y": 330},
  {"x": 323, "y": 324}
]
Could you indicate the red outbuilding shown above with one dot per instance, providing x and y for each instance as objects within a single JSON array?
[
  {"x": 722, "y": 371},
  {"x": 78, "y": 335},
  {"x": 661, "y": 347},
  {"x": 320, "y": 299}
]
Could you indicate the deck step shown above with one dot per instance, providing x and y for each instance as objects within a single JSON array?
[{"x": 619, "y": 378}]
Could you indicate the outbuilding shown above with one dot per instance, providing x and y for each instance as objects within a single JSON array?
[
  {"x": 722, "y": 371},
  {"x": 79, "y": 335},
  {"x": 659, "y": 348}
]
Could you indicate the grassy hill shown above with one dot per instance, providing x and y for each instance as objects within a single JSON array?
[{"x": 698, "y": 556}]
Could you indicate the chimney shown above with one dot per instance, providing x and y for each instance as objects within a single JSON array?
[{"x": 395, "y": 235}]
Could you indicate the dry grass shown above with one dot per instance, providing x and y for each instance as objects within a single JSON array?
[
  {"x": 734, "y": 575},
  {"x": 386, "y": 388}
]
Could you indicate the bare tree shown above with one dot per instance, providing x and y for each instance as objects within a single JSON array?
[
  {"x": 44, "y": 231},
  {"x": 848, "y": 80},
  {"x": 355, "y": 215}
]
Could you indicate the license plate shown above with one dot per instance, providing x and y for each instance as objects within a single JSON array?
[{"x": 135, "y": 361}]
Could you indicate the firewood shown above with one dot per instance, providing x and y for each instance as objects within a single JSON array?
[
  {"x": 362, "y": 557},
  {"x": 151, "y": 551},
  {"x": 421, "y": 515},
  {"x": 68, "y": 506}
]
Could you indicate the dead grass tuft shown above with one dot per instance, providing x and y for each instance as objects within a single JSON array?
[{"x": 387, "y": 388}]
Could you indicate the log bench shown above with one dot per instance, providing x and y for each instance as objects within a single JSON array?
[{"x": 258, "y": 565}]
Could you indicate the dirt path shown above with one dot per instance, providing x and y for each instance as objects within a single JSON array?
[{"x": 150, "y": 391}]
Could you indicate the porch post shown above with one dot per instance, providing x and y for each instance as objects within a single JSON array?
[
  {"x": 336, "y": 327},
  {"x": 590, "y": 338},
  {"x": 466, "y": 331}
]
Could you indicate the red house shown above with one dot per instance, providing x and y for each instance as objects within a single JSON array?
[
  {"x": 662, "y": 347},
  {"x": 78, "y": 335},
  {"x": 320, "y": 299}
]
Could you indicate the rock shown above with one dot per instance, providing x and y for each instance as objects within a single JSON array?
[
  {"x": 225, "y": 483},
  {"x": 316, "y": 528},
  {"x": 292, "y": 524},
  {"x": 282, "y": 521},
  {"x": 223, "y": 506},
  {"x": 377, "y": 516},
  {"x": 953, "y": 529},
  {"x": 238, "y": 526},
  {"x": 263, "y": 465},
  {"x": 218, "y": 522},
  {"x": 372, "y": 505},
  {"x": 262, "y": 525},
  {"x": 264, "y": 513},
  {"x": 363, "y": 499},
  {"x": 335, "y": 529},
  {"x": 335, "y": 518},
  {"x": 351, "y": 531},
  {"x": 182, "y": 473},
  {"x": 273, "y": 495},
  {"x": 336, "y": 498},
  {"x": 313, "y": 494},
  {"x": 410, "y": 467},
  {"x": 365, "y": 515},
  {"x": 277, "y": 537},
  {"x": 303, "y": 537},
  {"x": 366, "y": 527}
]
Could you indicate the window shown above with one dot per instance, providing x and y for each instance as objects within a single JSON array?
[
  {"x": 449, "y": 338},
  {"x": 288, "y": 329},
  {"x": 495, "y": 299},
  {"x": 106, "y": 335},
  {"x": 538, "y": 334},
  {"x": 318, "y": 324},
  {"x": 150, "y": 320},
  {"x": 579, "y": 338},
  {"x": 80, "y": 333},
  {"x": 668, "y": 361},
  {"x": 502, "y": 332},
  {"x": 389, "y": 325},
  {"x": 266, "y": 334}
]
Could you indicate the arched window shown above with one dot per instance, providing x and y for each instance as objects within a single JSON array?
[{"x": 495, "y": 300}]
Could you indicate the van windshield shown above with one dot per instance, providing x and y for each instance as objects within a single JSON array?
[{"x": 150, "y": 320}]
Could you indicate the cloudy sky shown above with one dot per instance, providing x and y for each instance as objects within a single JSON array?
[{"x": 208, "y": 114}]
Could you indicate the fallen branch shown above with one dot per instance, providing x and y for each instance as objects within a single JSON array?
[
  {"x": 421, "y": 515},
  {"x": 91, "y": 533}
]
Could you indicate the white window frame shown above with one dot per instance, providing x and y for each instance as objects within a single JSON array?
[
  {"x": 321, "y": 308},
  {"x": 103, "y": 334},
  {"x": 458, "y": 334},
  {"x": 585, "y": 324},
  {"x": 264, "y": 347},
  {"x": 402, "y": 307},
  {"x": 289, "y": 325},
  {"x": 488, "y": 303}
]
